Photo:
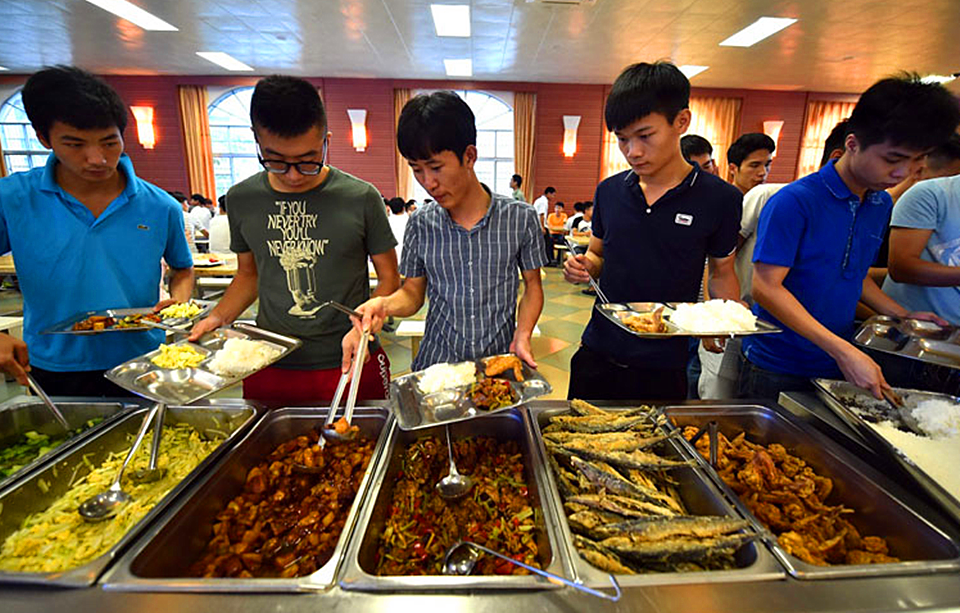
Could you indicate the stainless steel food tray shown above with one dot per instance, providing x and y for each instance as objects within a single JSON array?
[
  {"x": 187, "y": 385},
  {"x": 614, "y": 311},
  {"x": 66, "y": 326},
  {"x": 360, "y": 566},
  {"x": 908, "y": 338},
  {"x": 858, "y": 409},
  {"x": 24, "y": 414},
  {"x": 700, "y": 496},
  {"x": 415, "y": 410},
  {"x": 161, "y": 558},
  {"x": 26, "y": 495},
  {"x": 855, "y": 484}
]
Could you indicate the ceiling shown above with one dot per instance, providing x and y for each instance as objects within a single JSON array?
[{"x": 837, "y": 45}]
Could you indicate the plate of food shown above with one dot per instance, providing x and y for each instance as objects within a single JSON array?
[
  {"x": 451, "y": 392},
  {"x": 184, "y": 372},
  {"x": 207, "y": 260},
  {"x": 698, "y": 319},
  {"x": 132, "y": 319}
]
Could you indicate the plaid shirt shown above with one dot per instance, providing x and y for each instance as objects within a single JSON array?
[{"x": 472, "y": 277}]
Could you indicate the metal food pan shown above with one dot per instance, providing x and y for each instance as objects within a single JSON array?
[
  {"x": 699, "y": 495},
  {"x": 24, "y": 414},
  {"x": 856, "y": 485},
  {"x": 615, "y": 311},
  {"x": 162, "y": 557},
  {"x": 188, "y": 385},
  {"x": 27, "y": 495},
  {"x": 360, "y": 565},
  {"x": 66, "y": 326},
  {"x": 415, "y": 410}
]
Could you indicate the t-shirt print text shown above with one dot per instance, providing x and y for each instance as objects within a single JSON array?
[
  {"x": 298, "y": 253},
  {"x": 683, "y": 219}
]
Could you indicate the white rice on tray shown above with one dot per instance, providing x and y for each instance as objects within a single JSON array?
[
  {"x": 938, "y": 457},
  {"x": 240, "y": 356},
  {"x": 938, "y": 417},
  {"x": 445, "y": 376},
  {"x": 714, "y": 316}
]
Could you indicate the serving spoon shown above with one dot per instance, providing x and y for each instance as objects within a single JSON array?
[{"x": 454, "y": 485}]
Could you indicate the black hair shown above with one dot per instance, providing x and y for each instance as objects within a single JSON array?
[
  {"x": 396, "y": 205},
  {"x": 578, "y": 207},
  {"x": 906, "y": 112},
  {"x": 836, "y": 139},
  {"x": 286, "y": 106},
  {"x": 222, "y": 201},
  {"x": 945, "y": 153},
  {"x": 433, "y": 123},
  {"x": 518, "y": 180},
  {"x": 550, "y": 190},
  {"x": 747, "y": 144},
  {"x": 587, "y": 205},
  {"x": 694, "y": 144},
  {"x": 644, "y": 88},
  {"x": 72, "y": 96},
  {"x": 559, "y": 204},
  {"x": 178, "y": 196},
  {"x": 198, "y": 197}
]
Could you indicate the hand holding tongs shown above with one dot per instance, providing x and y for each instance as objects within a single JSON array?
[
  {"x": 593, "y": 283},
  {"x": 353, "y": 375}
]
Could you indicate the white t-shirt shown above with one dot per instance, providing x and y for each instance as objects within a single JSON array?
[
  {"x": 398, "y": 223},
  {"x": 571, "y": 222},
  {"x": 220, "y": 234},
  {"x": 541, "y": 205},
  {"x": 753, "y": 203},
  {"x": 201, "y": 216}
]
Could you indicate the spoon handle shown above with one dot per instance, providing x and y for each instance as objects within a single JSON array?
[
  {"x": 453, "y": 465},
  {"x": 147, "y": 421},
  {"x": 577, "y": 586},
  {"x": 46, "y": 400},
  {"x": 157, "y": 431}
]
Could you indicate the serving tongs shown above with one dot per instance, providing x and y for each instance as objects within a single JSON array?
[
  {"x": 49, "y": 403},
  {"x": 352, "y": 313},
  {"x": 593, "y": 282}
]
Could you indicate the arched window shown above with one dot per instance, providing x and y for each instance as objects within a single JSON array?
[
  {"x": 494, "y": 119},
  {"x": 21, "y": 149},
  {"x": 234, "y": 150}
]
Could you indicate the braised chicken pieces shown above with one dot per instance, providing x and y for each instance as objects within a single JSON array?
[
  {"x": 646, "y": 322},
  {"x": 502, "y": 363}
]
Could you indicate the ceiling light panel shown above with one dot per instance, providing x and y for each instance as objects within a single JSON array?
[
  {"x": 757, "y": 31},
  {"x": 458, "y": 68},
  {"x": 938, "y": 78},
  {"x": 692, "y": 70},
  {"x": 224, "y": 60},
  {"x": 451, "y": 19},
  {"x": 134, "y": 14}
]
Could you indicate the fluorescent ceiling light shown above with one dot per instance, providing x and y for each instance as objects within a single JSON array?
[
  {"x": 451, "y": 19},
  {"x": 692, "y": 70},
  {"x": 459, "y": 68},
  {"x": 938, "y": 78},
  {"x": 2, "y": 68},
  {"x": 224, "y": 59},
  {"x": 134, "y": 14},
  {"x": 757, "y": 31}
]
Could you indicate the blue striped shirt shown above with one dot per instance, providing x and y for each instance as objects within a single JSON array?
[{"x": 471, "y": 277}]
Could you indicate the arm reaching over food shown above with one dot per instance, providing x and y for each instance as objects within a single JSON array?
[
  {"x": 579, "y": 268},
  {"x": 14, "y": 358},
  {"x": 181, "y": 288},
  {"x": 240, "y": 294},
  {"x": 404, "y": 302}
]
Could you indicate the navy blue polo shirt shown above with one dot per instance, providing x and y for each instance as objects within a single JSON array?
[
  {"x": 656, "y": 253},
  {"x": 69, "y": 261},
  {"x": 828, "y": 239}
]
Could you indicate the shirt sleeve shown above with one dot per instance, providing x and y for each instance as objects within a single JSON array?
[
  {"x": 531, "y": 255},
  {"x": 177, "y": 251},
  {"x": 723, "y": 242},
  {"x": 918, "y": 208},
  {"x": 238, "y": 244},
  {"x": 779, "y": 231},
  {"x": 379, "y": 236},
  {"x": 412, "y": 261},
  {"x": 751, "y": 211}
]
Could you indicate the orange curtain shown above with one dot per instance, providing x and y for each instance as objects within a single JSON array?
[
  {"x": 718, "y": 121},
  {"x": 403, "y": 173},
  {"x": 195, "y": 124},
  {"x": 524, "y": 127},
  {"x": 821, "y": 117},
  {"x": 611, "y": 160}
]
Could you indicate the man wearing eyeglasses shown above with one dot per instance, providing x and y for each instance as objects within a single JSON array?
[{"x": 303, "y": 231}]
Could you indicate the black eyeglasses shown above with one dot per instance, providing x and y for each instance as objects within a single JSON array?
[{"x": 279, "y": 167}]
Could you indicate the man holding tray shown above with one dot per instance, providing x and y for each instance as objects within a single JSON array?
[
  {"x": 87, "y": 234},
  {"x": 464, "y": 250},
  {"x": 303, "y": 231}
]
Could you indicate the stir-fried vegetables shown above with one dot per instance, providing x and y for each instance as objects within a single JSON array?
[
  {"x": 31, "y": 445},
  {"x": 496, "y": 513}
]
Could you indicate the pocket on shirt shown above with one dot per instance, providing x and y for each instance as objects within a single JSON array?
[{"x": 868, "y": 251}]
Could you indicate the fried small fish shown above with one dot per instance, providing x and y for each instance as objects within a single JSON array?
[
  {"x": 585, "y": 409},
  {"x": 604, "y": 476},
  {"x": 676, "y": 549},
  {"x": 609, "y": 563},
  {"x": 635, "y": 459},
  {"x": 628, "y": 507},
  {"x": 697, "y": 526},
  {"x": 607, "y": 441},
  {"x": 595, "y": 423}
]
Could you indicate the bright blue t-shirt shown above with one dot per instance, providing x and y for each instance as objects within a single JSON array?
[
  {"x": 68, "y": 261},
  {"x": 931, "y": 205},
  {"x": 828, "y": 239}
]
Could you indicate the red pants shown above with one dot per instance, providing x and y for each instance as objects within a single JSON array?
[{"x": 277, "y": 387}]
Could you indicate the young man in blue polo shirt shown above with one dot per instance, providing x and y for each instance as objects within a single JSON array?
[
  {"x": 87, "y": 234},
  {"x": 818, "y": 236},
  {"x": 653, "y": 227}
]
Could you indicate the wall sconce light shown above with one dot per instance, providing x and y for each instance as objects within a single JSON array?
[
  {"x": 570, "y": 125},
  {"x": 772, "y": 129},
  {"x": 358, "y": 120},
  {"x": 145, "y": 132}
]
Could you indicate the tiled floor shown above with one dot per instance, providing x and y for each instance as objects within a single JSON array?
[{"x": 565, "y": 313}]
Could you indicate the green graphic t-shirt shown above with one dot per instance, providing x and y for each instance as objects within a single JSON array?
[{"x": 309, "y": 247}]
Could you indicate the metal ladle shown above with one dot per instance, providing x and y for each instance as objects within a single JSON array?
[
  {"x": 49, "y": 403},
  {"x": 152, "y": 473},
  {"x": 454, "y": 485},
  {"x": 106, "y": 504},
  {"x": 462, "y": 557}
]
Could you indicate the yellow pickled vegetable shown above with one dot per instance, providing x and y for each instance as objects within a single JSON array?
[
  {"x": 182, "y": 309},
  {"x": 178, "y": 356}
]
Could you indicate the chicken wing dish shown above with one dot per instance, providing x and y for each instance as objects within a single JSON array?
[
  {"x": 646, "y": 322},
  {"x": 500, "y": 364}
]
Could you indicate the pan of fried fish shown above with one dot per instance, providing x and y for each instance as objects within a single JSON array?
[{"x": 636, "y": 505}]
